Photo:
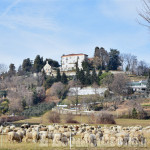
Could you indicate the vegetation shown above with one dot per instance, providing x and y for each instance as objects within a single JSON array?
[
  {"x": 54, "y": 117},
  {"x": 38, "y": 109},
  {"x": 102, "y": 118}
]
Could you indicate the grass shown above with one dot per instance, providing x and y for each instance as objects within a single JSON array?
[{"x": 84, "y": 119}]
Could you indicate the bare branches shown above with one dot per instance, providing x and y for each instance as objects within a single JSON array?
[{"x": 145, "y": 13}]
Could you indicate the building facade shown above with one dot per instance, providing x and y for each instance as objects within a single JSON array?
[
  {"x": 48, "y": 70},
  {"x": 68, "y": 62}
]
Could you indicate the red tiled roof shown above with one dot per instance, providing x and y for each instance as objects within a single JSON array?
[{"x": 73, "y": 55}]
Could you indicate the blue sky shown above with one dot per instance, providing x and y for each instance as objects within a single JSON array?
[{"x": 52, "y": 28}]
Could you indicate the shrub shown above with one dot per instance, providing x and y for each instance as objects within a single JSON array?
[
  {"x": 4, "y": 119},
  {"x": 102, "y": 118},
  {"x": 54, "y": 117},
  {"x": 69, "y": 118},
  {"x": 38, "y": 109}
]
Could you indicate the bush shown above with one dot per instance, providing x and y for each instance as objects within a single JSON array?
[
  {"x": 54, "y": 117},
  {"x": 69, "y": 118},
  {"x": 4, "y": 119},
  {"x": 38, "y": 109},
  {"x": 102, "y": 118}
]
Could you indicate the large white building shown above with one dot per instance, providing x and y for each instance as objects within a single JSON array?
[{"x": 68, "y": 62}]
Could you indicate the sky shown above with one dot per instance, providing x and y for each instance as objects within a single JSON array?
[{"x": 52, "y": 28}]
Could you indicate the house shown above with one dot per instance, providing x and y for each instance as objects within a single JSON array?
[
  {"x": 69, "y": 62},
  {"x": 138, "y": 85},
  {"x": 49, "y": 70}
]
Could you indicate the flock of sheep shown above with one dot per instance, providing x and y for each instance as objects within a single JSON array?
[{"x": 78, "y": 135}]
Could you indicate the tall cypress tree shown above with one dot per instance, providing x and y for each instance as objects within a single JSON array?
[
  {"x": 58, "y": 77},
  {"x": 88, "y": 77},
  {"x": 98, "y": 77},
  {"x": 94, "y": 76},
  {"x": 38, "y": 64},
  {"x": 64, "y": 79},
  {"x": 77, "y": 73},
  {"x": 82, "y": 77},
  {"x": 27, "y": 65}
]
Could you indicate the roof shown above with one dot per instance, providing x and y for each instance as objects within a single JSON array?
[{"x": 73, "y": 55}]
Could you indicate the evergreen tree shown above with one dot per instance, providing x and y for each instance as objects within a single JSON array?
[
  {"x": 58, "y": 77},
  {"x": 38, "y": 64},
  {"x": 114, "y": 59},
  {"x": 94, "y": 76},
  {"x": 100, "y": 73},
  {"x": 12, "y": 70},
  {"x": 98, "y": 77},
  {"x": 148, "y": 84},
  {"x": 24, "y": 104},
  {"x": 77, "y": 73},
  {"x": 64, "y": 79},
  {"x": 52, "y": 63},
  {"x": 88, "y": 77},
  {"x": 82, "y": 77},
  {"x": 134, "y": 114},
  {"x": 27, "y": 65}
]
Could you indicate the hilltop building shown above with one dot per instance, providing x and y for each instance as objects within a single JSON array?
[
  {"x": 49, "y": 70},
  {"x": 68, "y": 62}
]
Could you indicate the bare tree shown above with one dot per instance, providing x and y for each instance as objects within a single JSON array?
[
  {"x": 57, "y": 89},
  {"x": 101, "y": 57},
  {"x": 3, "y": 68},
  {"x": 107, "y": 81},
  {"x": 74, "y": 89},
  {"x": 144, "y": 13},
  {"x": 142, "y": 68},
  {"x": 131, "y": 62},
  {"x": 120, "y": 84}
]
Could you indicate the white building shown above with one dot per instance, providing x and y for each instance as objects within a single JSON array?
[
  {"x": 48, "y": 69},
  {"x": 68, "y": 62}
]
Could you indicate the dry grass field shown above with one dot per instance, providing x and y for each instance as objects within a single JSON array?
[
  {"x": 5, "y": 145},
  {"x": 81, "y": 119}
]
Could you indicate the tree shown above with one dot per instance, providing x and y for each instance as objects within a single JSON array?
[
  {"x": 114, "y": 59},
  {"x": 52, "y": 62},
  {"x": 58, "y": 89},
  {"x": 74, "y": 89},
  {"x": 38, "y": 97},
  {"x": 145, "y": 13},
  {"x": 49, "y": 81},
  {"x": 101, "y": 58},
  {"x": 120, "y": 84},
  {"x": 38, "y": 64},
  {"x": 58, "y": 77},
  {"x": 27, "y": 65},
  {"x": 82, "y": 77},
  {"x": 148, "y": 84},
  {"x": 142, "y": 69},
  {"x": 77, "y": 72},
  {"x": 64, "y": 79},
  {"x": 94, "y": 76},
  {"x": 131, "y": 62},
  {"x": 20, "y": 71},
  {"x": 12, "y": 70},
  {"x": 3, "y": 68},
  {"x": 134, "y": 113},
  {"x": 88, "y": 77},
  {"x": 107, "y": 79},
  {"x": 86, "y": 65}
]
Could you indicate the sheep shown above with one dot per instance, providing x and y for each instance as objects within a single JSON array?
[{"x": 13, "y": 136}]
